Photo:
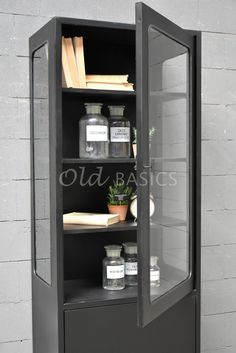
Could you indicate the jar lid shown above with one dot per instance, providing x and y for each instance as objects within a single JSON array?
[
  {"x": 116, "y": 110},
  {"x": 130, "y": 248},
  {"x": 91, "y": 104},
  {"x": 113, "y": 250},
  {"x": 153, "y": 260}
]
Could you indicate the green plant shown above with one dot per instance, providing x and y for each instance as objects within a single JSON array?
[
  {"x": 119, "y": 194},
  {"x": 152, "y": 131}
]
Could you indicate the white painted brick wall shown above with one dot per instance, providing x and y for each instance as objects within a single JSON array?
[{"x": 216, "y": 18}]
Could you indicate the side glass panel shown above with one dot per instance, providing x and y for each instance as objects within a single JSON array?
[
  {"x": 41, "y": 164},
  {"x": 169, "y": 160}
]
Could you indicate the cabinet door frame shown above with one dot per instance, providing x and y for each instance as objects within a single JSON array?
[
  {"x": 47, "y": 317},
  {"x": 146, "y": 17}
]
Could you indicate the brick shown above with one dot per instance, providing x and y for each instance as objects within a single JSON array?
[
  {"x": 7, "y": 34},
  {"x": 17, "y": 321},
  {"x": 14, "y": 76},
  {"x": 213, "y": 50},
  {"x": 14, "y": 118},
  {"x": 218, "y": 331},
  {"x": 217, "y": 192},
  {"x": 218, "y": 122},
  {"x": 15, "y": 241},
  {"x": 77, "y": 9},
  {"x": 20, "y": 7},
  {"x": 218, "y": 227},
  {"x": 218, "y": 50},
  {"x": 218, "y": 296},
  {"x": 217, "y": 157},
  {"x": 218, "y": 262},
  {"x": 15, "y": 281},
  {"x": 218, "y": 86},
  {"x": 216, "y": 16},
  {"x": 16, "y": 347},
  {"x": 15, "y": 159},
  {"x": 15, "y": 200},
  {"x": 24, "y": 27}
]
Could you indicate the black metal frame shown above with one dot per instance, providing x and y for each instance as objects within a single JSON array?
[
  {"x": 146, "y": 17},
  {"x": 48, "y": 301},
  {"x": 46, "y": 314}
]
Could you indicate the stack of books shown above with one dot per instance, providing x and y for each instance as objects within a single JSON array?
[
  {"x": 74, "y": 74},
  {"x": 100, "y": 219}
]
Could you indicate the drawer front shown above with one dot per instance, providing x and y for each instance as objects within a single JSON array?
[{"x": 113, "y": 329}]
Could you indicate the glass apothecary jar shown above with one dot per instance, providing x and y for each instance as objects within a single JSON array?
[
  {"x": 154, "y": 272},
  {"x": 93, "y": 133},
  {"x": 119, "y": 132},
  {"x": 131, "y": 264},
  {"x": 113, "y": 268}
]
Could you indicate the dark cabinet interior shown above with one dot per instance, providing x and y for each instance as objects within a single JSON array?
[
  {"x": 82, "y": 317},
  {"x": 106, "y": 52}
]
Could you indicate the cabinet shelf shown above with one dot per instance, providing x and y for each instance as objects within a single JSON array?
[
  {"x": 121, "y": 226},
  {"x": 117, "y": 227},
  {"x": 97, "y": 94},
  {"x": 84, "y": 293},
  {"x": 98, "y": 161}
]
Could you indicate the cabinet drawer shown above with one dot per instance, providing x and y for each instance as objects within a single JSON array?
[{"x": 113, "y": 329}]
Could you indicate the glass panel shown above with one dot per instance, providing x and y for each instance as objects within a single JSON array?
[
  {"x": 169, "y": 155},
  {"x": 41, "y": 164}
]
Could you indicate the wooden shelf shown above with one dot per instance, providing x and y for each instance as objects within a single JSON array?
[
  {"x": 117, "y": 227},
  {"x": 84, "y": 293},
  {"x": 97, "y": 94},
  {"x": 98, "y": 161}
]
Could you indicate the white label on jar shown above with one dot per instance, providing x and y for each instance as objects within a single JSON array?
[
  {"x": 115, "y": 272},
  {"x": 154, "y": 276},
  {"x": 96, "y": 133},
  {"x": 120, "y": 134},
  {"x": 131, "y": 268}
]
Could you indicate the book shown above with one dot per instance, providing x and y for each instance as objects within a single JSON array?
[
  {"x": 107, "y": 78},
  {"x": 72, "y": 62},
  {"x": 79, "y": 57},
  {"x": 99, "y": 219},
  {"x": 111, "y": 86},
  {"x": 66, "y": 77}
]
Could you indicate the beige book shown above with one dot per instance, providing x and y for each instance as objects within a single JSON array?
[
  {"x": 72, "y": 62},
  {"x": 66, "y": 77},
  {"x": 107, "y": 78},
  {"x": 99, "y": 219},
  {"x": 79, "y": 57},
  {"x": 111, "y": 86}
]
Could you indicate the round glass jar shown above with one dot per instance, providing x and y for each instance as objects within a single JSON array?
[
  {"x": 131, "y": 264},
  {"x": 119, "y": 132},
  {"x": 113, "y": 268},
  {"x": 93, "y": 133}
]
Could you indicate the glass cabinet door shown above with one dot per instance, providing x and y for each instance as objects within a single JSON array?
[
  {"x": 164, "y": 101},
  {"x": 40, "y": 95}
]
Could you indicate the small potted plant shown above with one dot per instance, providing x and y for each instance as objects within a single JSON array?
[
  {"x": 118, "y": 199},
  {"x": 152, "y": 131}
]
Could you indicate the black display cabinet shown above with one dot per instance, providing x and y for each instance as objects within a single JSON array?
[{"x": 71, "y": 311}]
